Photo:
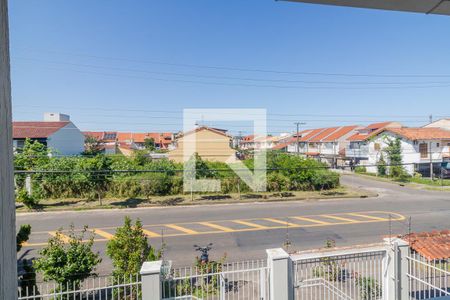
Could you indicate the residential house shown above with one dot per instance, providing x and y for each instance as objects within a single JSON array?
[
  {"x": 420, "y": 148},
  {"x": 162, "y": 140},
  {"x": 210, "y": 144},
  {"x": 360, "y": 149},
  {"x": 257, "y": 142},
  {"x": 325, "y": 144},
  {"x": 57, "y": 132},
  {"x": 442, "y": 123},
  {"x": 107, "y": 140}
]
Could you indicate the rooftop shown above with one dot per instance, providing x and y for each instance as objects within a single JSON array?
[
  {"x": 432, "y": 245},
  {"x": 38, "y": 129}
]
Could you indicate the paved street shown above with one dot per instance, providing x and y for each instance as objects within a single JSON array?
[{"x": 245, "y": 231}]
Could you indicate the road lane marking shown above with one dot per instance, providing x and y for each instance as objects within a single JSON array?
[
  {"x": 64, "y": 238},
  {"x": 340, "y": 218},
  {"x": 150, "y": 233},
  {"x": 102, "y": 233},
  {"x": 285, "y": 223},
  {"x": 367, "y": 217},
  {"x": 250, "y": 224},
  {"x": 312, "y": 220},
  {"x": 182, "y": 229},
  {"x": 215, "y": 226}
]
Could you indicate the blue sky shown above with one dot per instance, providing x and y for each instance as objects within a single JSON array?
[{"x": 134, "y": 65}]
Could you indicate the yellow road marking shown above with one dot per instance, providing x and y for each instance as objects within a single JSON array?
[
  {"x": 340, "y": 218},
  {"x": 282, "y": 222},
  {"x": 215, "y": 226},
  {"x": 368, "y": 217},
  {"x": 250, "y": 224},
  {"x": 182, "y": 229},
  {"x": 104, "y": 234},
  {"x": 150, "y": 233},
  {"x": 312, "y": 220},
  {"x": 64, "y": 238}
]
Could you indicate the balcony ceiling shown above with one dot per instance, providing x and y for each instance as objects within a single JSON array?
[{"x": 439, "y": 7}]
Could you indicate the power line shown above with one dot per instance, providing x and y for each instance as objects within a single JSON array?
[{"x": 240, "y": 69}]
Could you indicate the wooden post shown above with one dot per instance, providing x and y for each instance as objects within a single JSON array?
[{"x": 8, "y": 260}]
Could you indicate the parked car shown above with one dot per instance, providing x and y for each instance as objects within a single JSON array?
[{"x": 445, "y": 170}]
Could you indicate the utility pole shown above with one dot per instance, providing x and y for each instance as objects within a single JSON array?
[
  {"x": 430, "y": 118},
  {"x": 298, "y": 140},
  {"x": 8, "y": 256},
  {"x": 431, "y": 161}
]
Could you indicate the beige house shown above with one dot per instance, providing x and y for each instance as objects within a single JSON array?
[{"x": 210, "y": 144}]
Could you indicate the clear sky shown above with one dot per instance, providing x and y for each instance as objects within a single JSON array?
[{"x": 134, "y": 65}]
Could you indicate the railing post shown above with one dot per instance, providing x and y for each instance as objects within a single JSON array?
[
  {"x": 281, "y": 285},
  {"x": 395, "y": 270},
  {"x": 151, "y": 280}
]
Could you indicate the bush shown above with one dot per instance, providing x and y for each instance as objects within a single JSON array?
[
  {"x": 28, "y": 200},
  {"x": 360, "y": 169},
  {"x": 277, "y": 182}
]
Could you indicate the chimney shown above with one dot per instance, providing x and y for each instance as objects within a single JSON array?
[{"x": 56, "y": 117}]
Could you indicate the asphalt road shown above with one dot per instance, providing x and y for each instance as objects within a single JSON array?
[{"x": 244, "y": 231}]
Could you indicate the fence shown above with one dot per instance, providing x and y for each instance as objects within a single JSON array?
[
  {"x": 236, "y": 281},
  {"x": 427, "y": 278},
  {"x": 356, "y": 275},
  {"x": 388, "y": 271},
  {"x": 95, "y": 288}
]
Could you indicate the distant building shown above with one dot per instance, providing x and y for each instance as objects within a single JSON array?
[
  {"x": 442, "y": 123},
  {"x": 56, "y": 132},
  {"x": 211, "y": 144}
]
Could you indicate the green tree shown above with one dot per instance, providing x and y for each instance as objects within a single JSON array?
[
  {"x": 128, "y": 250},
  {"x": 33, "y": 155},
  {"x": 381, "y": 166},
  {"x": 393, "y": 151},
  {"x": 92, "y": 146},
  {"x": 149, "y": 144},
  {"x": 68, "y": 264},
  {"x": 27, "y": 281}
]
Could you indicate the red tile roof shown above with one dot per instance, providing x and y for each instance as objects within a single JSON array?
[
  {"x": 323, "y": 134},
  {"x": 424, "y": 133},
  {"x": 339, "y": 133},
  {"x": 22, "y": 130},
  {"x": 369, "y": 131},
  {"x": 431, "y": 245},
  {"x": 310, "y": 134}
]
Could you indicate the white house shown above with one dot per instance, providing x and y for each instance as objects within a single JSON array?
[
  {"x": 420, "y": 147},
  {"x": 57, "y": 132},
  {"x": 359, "y": 149}
]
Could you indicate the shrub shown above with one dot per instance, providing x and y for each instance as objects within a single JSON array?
[
  {"x": 28, "y": 200},
  {"x": 277, "y": 182},
  {"x": 360, "y": 169}
]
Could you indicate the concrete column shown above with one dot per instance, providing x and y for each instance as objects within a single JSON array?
[
  {"x": 281, "y": 284},
  {"x": 151, "y": 280},
  {"x": 8, "y": 259},
  {"x": 395, "y": 268}
]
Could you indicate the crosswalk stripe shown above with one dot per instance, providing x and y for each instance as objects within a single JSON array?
[
  {"x": 150, "y": 233},
  {"x": 312, "y": 220},
  {"x": 285, "y": 223},
  {"x": 250, "y": 224},
  {"x": 64, "y": 238},
  {"x": 104, "y": 234},
  {"x": 340, "y": 218},
  {"x": 182, "y": 229},
  {"x": 366, "y": 216},
  {"x": 215, "y": 226}
]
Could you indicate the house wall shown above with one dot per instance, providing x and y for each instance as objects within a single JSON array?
[
  {"x": 69, "y": 140},
  {"x": 209, "y": 146},
  {"x": 410, "y": 152}
]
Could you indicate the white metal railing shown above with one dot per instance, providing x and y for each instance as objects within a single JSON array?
[
  {"x": 427, "y": 278},
  {"x": 349, "y": 275},
  {"x": 98, "y": 288},
  {"x": 234, "y": 281}
]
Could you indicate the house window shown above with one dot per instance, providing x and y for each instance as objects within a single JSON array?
[
  {"x": 423, "y": 149},
  {"x": 437, "y": 145}
]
